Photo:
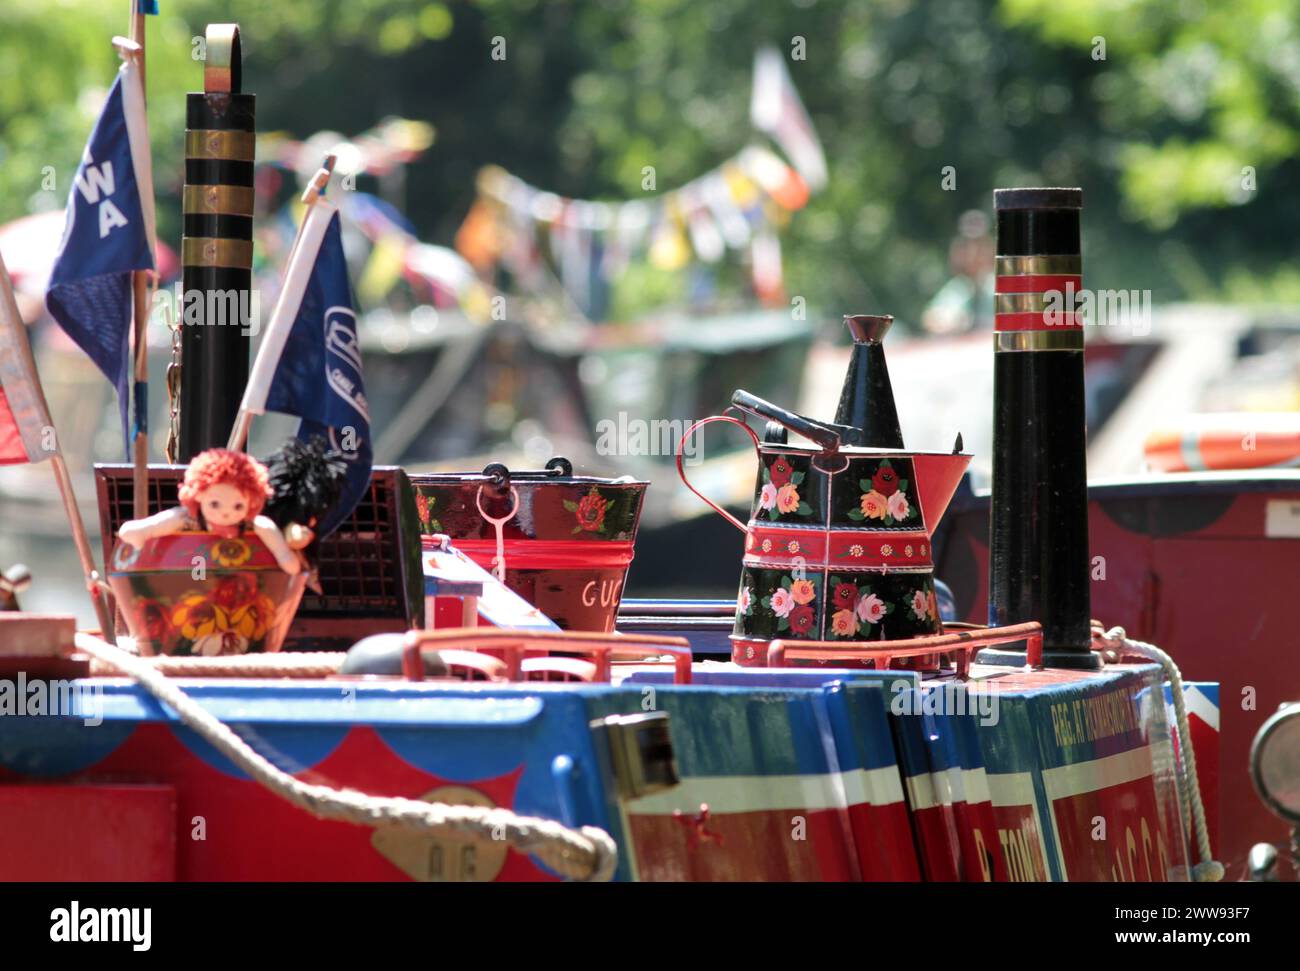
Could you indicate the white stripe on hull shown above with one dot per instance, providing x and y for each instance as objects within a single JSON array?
[
  {"x": 1082, "y": 777},
  {"x": 930, "y": 789},
  {"x": 761, "y": 793}
]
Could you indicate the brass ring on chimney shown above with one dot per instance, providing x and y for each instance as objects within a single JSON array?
[
  {"x": 1039, "y": 265},
  {"x": 209, "y": 251},
  {"x": 1038, "y": 340},
  {"x": 217, "y": 200},
  {"x": 1028, "y": 303},
  {"x": 231, "y": 145}
]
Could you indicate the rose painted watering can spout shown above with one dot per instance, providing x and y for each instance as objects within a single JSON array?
[{"x": 838, "y": 542}]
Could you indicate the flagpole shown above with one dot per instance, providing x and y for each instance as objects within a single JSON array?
[
  {"x": 12, "y": 321},
  {"x": 142, "y": 306},
  {"x": 314, "y": 191}
]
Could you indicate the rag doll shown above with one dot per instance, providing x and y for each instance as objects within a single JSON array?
[{"x": 223, "y": 493}]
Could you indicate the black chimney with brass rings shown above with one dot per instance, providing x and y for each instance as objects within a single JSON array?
[
  {"x": 1038, "y": 523},
  {"x": 217, "y": 309}
]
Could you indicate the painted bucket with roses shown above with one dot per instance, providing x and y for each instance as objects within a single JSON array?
[
  {"x": 566, "y": 541},
  {"x": 838, "y": 543},
  {"x": 197, "y": 593}
]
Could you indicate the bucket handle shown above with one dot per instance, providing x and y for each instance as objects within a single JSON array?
[{"x": 681, "y": 471}]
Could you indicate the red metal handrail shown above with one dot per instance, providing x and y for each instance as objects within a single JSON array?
[
  {"x": 959, "y": 641},
  {"x": 513, "y": 644},
  {"x": 467, "y": 664},
  {"x": 557, "y": 669}
]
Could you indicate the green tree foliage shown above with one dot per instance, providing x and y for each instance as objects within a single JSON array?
[
  {"x": 902, "y": 91},
  {"x": 1199, "y": 94}
]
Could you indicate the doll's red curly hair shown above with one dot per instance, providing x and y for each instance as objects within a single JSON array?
[{"x": 218, "y": 465}]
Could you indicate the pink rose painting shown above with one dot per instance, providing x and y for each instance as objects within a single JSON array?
[
  {"x": 782, "y": 602},
  {"x": 920, "y": 605},
  {"x": 870, "y": 609}
]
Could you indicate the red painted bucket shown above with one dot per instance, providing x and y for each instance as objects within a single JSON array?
[{"x": 566, "y": 540}]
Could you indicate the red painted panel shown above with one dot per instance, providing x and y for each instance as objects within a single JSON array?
[
  {"x": 1021, "y": 840},
  {"x": 1225, "y": 614},
  {"x": 87, "y": 832},
  {"x": 883, "y": 836},
  {"x": 234, "y": 829},
  {"x": 936, "y": 834},
  {"x": 748, "y": 846},
  {"x": 1134, "y": 847}
]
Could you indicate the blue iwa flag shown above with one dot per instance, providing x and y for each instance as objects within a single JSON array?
[
  {"x": 108, "y": 234},
  {"x": 309, "y": 362}
]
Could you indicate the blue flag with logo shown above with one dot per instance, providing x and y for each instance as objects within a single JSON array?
[
  {"x": 105, "y": 238},
  {"x": 318, "y": 376}
]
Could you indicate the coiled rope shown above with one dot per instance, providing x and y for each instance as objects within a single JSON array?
[
  {"x": 1208, "y": 870},
  {"x": 588, "y": 854}
]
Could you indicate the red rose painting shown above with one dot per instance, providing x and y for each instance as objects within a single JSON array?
[
  {"x": 801, "y": 619},
  {"x": 591, "y": 512},
  {"x": 780, "y": 471},
  {"x": 885, "y": 481}
]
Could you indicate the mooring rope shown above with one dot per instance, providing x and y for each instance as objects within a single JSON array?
[
  {"x": 1208, "y": 870},
  {"x": 588, "y": 854},
  {"x": 279, "y": 665}
]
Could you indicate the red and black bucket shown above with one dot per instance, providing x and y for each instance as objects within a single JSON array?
[{"x": 566, "y": 540}]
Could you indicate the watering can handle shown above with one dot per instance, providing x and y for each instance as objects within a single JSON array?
[
  {"x": 827, "y": 438},
  {"x": 681, "y": 471}
]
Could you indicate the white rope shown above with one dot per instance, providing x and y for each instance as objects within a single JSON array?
[
  {"x": 588, "y": 854},
  {"x": 1208, "y": 870},
  {"x": 281, "y": 664}
]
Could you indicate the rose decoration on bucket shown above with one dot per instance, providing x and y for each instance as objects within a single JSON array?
[
  {"x": 589, "y": 511},
  {"x": 424, "y": 508}
]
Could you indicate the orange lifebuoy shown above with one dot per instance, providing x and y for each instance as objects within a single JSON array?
[{"x": 1226, "y": 441}]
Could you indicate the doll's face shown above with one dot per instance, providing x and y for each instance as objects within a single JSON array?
[{"x": 223, "y": 505}]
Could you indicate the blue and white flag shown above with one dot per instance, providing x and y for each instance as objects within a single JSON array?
[
  {"x": 109, "y": 233},
  {"x": 309, "y": 362}
]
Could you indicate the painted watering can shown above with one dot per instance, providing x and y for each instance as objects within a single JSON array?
[{"x": 838, "y": 541}]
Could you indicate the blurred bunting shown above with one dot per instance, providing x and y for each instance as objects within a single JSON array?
[{"x": 738, "y": 206}]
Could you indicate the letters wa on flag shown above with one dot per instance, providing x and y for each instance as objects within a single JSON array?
[{"x": 105, "y": 238}]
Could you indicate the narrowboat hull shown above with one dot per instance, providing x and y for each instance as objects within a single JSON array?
[{"x": 784, "y": 775}]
